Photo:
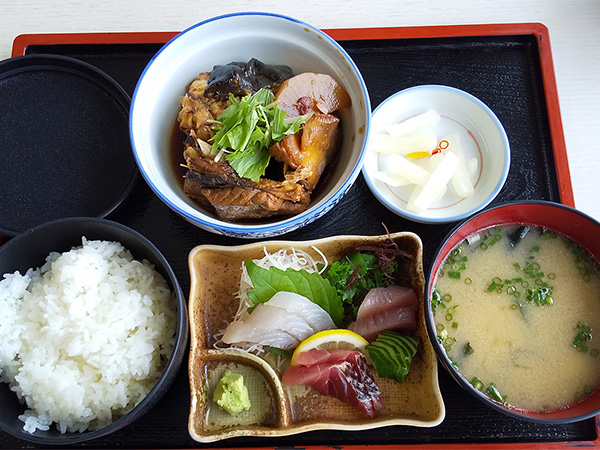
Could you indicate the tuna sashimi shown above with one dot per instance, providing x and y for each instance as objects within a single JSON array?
[
  {"x": 314, "y": 315},
  {"x": 316, "y": 376},
  {"x": 322, "y": 356},
  {"x": 391, "y": 308},
  {"x": 349, "y": 380},
  {"x": 239, "y": 332},
  {"x": 273, "y": 317}
]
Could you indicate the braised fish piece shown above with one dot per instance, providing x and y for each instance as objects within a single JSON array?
[
  {"x": 296, "y": 163},
  {"x": 311, "y": 149}
]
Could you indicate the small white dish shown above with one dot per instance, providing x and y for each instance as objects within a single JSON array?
[{"x": 482, "y": 136}]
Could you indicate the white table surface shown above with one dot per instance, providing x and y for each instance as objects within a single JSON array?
[{"x": 574, "y": 27}]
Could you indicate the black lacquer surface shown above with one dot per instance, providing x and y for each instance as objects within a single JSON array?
[
  {"x": 65, "y": 149},
  {"x": 502, "y": 71}
]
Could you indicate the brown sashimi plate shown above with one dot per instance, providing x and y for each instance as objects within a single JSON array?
[{"x": 278, "y": 409}]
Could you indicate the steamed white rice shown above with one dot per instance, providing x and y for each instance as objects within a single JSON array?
[{"x": 84, "y": 338}]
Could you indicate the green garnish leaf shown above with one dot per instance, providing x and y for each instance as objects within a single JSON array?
[
  {"x": 252, "y": 162},
  {"x": 358, "y": 273},
  {"x": 280, "y": 352},
  {"x": 247, "y": 128},
  {"x": 283, "y": 127},
  {"x": 267, "y": 282},
  {"x": 392, "y": 353}
]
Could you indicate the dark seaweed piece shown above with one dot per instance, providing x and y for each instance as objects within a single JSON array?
[
  {"x": 518, "y": 235},
  {"x": 240, "y": 79}
]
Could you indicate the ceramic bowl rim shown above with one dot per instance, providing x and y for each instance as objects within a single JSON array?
[
  {"x": 172, "y": 367},
  {"x": 441, "y": 354},
  {"x": 280, "y": 226},
  {"x": 486, "y": 201}
]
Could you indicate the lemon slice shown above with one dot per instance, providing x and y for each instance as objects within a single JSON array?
[{"x": 331, "y": 339}]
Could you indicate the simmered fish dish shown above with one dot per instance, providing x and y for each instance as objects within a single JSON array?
[{"x": 258, "y": 138}]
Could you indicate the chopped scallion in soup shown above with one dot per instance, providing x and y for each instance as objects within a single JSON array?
[{"x": 516, "y": 310}]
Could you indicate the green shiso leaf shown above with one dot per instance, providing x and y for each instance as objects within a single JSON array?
[{"x": 267, "y": 282}]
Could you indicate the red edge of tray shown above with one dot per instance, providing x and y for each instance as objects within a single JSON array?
[
  {"x": 539, "y": 30},
  {"x": 541, "y": 33}
]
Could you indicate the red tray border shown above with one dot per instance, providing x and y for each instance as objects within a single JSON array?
[
  {"x": 541, "y": 33},
  {"x": 539, "y": 30}
]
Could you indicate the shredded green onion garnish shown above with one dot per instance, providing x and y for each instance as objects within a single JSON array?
[
  {"x": 493, "y": 392},
  {"x": 477, "y": 383}
]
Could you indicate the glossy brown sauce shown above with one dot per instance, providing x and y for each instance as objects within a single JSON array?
[{"x": 176, "y": 141}]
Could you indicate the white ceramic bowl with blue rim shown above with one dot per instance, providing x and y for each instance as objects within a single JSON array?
[
  {"x": 273, "y": 39},
  {"x": 482, "y": 137}
]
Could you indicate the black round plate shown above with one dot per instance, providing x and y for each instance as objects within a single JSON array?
[{"x": 64, "y": 147}]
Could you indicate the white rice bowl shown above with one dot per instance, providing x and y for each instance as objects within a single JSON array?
[{"x": 84, "y": 338}]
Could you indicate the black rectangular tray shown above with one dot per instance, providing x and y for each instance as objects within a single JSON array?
[{"x": 506, "y": 66}]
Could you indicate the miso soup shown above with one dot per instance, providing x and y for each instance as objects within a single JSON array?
[{"x": 517, "y": 310}]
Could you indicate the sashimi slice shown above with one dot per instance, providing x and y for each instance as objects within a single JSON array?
[
  {"x": 239, "y": 332},
  {"x": 368, "y": 402},
  {"x": 316, "y": 376},
  {"x": 392, "y": 308},
  {"x": 314, "y": 315},
  {"x": 380, "y": 299},
  {"x": 322, "y": 356},
  {"x": 274, "y": 318},
  {"x": 349, "y": 380}
]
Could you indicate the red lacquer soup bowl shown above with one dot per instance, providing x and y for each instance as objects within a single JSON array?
[{"x": 565, "y": 221}]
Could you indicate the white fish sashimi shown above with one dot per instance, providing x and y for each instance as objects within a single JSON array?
[
  {"x": 282, "y": 322},
  {"x": 315, "y": 316},
  {"x": 272, "y": 317},
  {"x": 238, "y": 332}
]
